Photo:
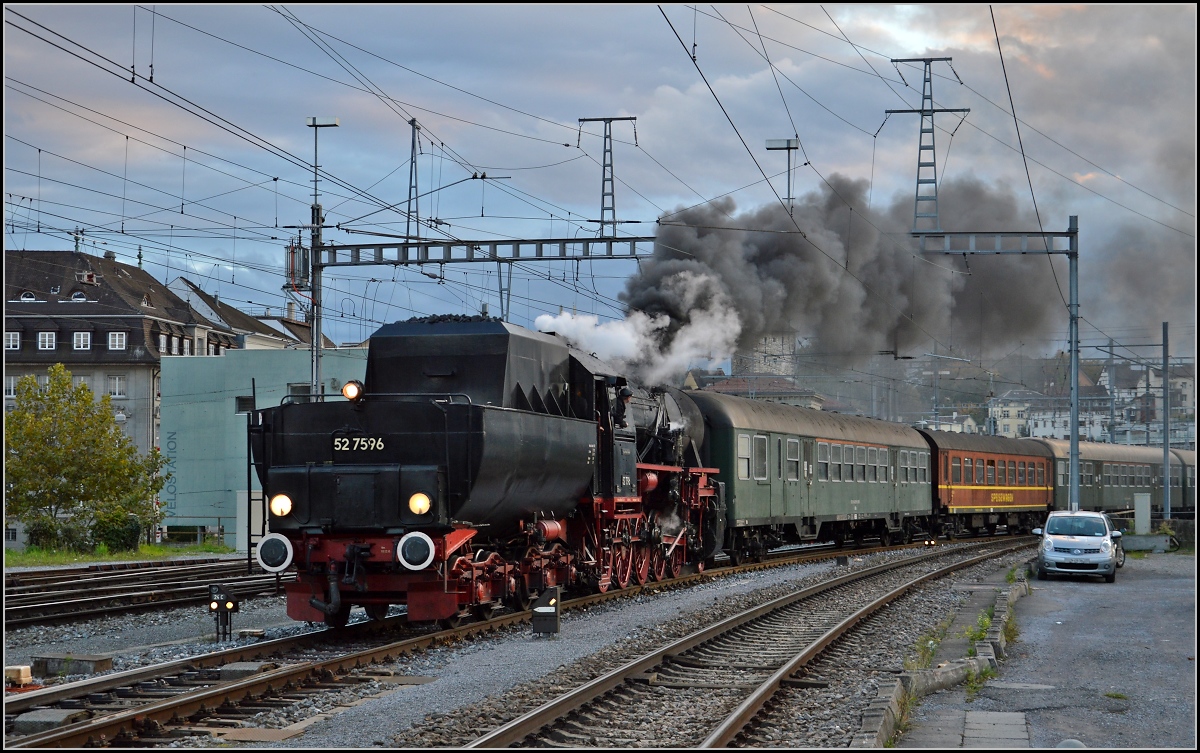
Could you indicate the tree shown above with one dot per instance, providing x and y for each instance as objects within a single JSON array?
[{"x": 70, "y": 474}]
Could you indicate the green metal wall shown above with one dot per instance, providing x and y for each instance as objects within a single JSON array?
[{"x": 204, "y": 439}]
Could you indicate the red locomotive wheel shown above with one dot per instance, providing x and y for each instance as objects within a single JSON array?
[
  {"x": 658, "y": 563},
  {"x": 622, "y": 555},
  {"x": 641, "y": 562},
  {"x": 675, "y": 562}
]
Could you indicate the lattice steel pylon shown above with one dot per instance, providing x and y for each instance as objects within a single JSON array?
[
  {"x": 925, "y": 207},
  {"x": 608, "y": 207}
]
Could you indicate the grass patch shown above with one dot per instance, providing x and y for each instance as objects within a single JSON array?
[
  {"x": 976, "y": 680},
  {"x": 1140, "y": 555},
  {"x": 923, "y": 650},
  {"x": 1011, "y": 631},
  {"x": 978, "y": 631},
  {"x": 1118, "y": 696},
  {"x": 34, "y": 557},
  {"x": 908, "y": 702},
  {"x": 1011, "y": 577}
]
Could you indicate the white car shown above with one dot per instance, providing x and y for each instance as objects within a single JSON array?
[{"x": 1078, "y": 543}]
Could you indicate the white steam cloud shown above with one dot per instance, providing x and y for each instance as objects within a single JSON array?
[{"x": 657, "y": 349}]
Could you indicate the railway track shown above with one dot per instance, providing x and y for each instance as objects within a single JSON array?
[
  {"x": 154, "y": 705},
  {"x": 73, "y": 594},
  {"x": 727, "y": 672}
]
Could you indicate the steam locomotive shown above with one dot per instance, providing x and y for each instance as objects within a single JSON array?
[{"x": 482, "y": 463}]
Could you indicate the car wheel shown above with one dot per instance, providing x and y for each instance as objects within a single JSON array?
[
  {"x": 1110, "y": 578},
  {"x": 1041, "y": 573},
  {"x": 1120, "y": 556}
]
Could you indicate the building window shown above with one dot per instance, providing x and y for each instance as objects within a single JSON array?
[
  {"x": 84, "y": 381},
  {"x": 116, "y": 341},
  {"x": 162, "y": 344},
  {"x": 10, "y": 385},
  {"x": 187, "y": 346},
  {"x": 27, "y": 297},
  {"x": 116, "y": 385},
  {"x": 43, "y": 381},
  {"x": 46, "y": 340},
  {"x": 10, "y": 534},
  {"x": 82, "y": 340},
  {"x": 743, "y": 456},
  {"x": 12, "y": 340},
  {"x": 174, "y": 345},
  {"x": 212, "y": 349}
]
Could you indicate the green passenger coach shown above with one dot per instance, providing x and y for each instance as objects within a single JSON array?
[{"x": 797, "y": 475}]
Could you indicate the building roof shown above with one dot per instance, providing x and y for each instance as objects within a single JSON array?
[{"x": 70, "y": 291}]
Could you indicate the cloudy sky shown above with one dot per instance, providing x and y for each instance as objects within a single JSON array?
[{"x": 206, "y": 166}]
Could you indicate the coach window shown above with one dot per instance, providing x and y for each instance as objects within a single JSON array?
[
  {"x": 822, "y": 461},
  {"x": 980, "y": 472},
  {"x": 903, "y": 466},
  {"x": 956, "y": 470},
  {"x": 760, "y": 458},
  {"x": 968, "y": 470},
  {"x": 1021, "y": 473},
  {"x": 883, "y": 465},
  {"x": 1107, "y": 474},
  {"x": 945, "y": 467},
  {"x": 1041, "y": 475},
  {"x": 1087, "y": 474},
  {"x": 793, "y": 460},
  {"x": 778, "y": 458},
  {"x": 836, "y": 462},
  {"x": 872, "y": 464},
  {"x": 743, "y": 456},
  {"x": 860, "y": 463},
  {"x": 991, "y": 472}
]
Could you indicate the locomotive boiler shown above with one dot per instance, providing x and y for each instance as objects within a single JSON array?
[{"x": 477, "y": 465}]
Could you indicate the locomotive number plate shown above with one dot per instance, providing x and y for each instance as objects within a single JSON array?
[{"x": 357, "y": 444}]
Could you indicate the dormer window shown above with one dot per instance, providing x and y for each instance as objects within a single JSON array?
[
  {"x": 54, "y": 290},
  {"x": 79, "y": 296},
  {"x": 88, "y": 278},
  {"x": 146, "y": 302},
  {"x": 27, "y": 297}
]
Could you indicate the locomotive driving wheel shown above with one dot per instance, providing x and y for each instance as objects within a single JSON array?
[
  {"x": 657, "y": 562},
  {"x": 675, "y": 560},
  {"x": 641, "y": 562},
  {"x": 622, "y": 555},
  {"x": 377, "y": 612}
]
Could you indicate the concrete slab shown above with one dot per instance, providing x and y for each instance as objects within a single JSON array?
[
  {"x": 49, "y": 665},
  {"x": 239, "y": 669},
  {"x": 42, "y": 720}
]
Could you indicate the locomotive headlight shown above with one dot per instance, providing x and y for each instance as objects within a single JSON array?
[
  {"x": 352, "y": 390},
  {"x": 281, "y": 504},
  {"x": 419, "y": 503}
]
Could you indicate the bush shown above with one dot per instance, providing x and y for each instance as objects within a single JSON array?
[
  {"x": 63, "y": 534},
  {"x": 118, "y": 535}
]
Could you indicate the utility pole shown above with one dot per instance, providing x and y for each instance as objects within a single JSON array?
[
  {"x": 1166, "y": 422},
  {"x": 318, "y": 218},
  {"x": 788, "y": 145},
  {"x": 973, "y": 243},
  {"x": 608, "y": 208},
  {"x": 926, "y": 156},
  {"x": 1112, "y": 396}
]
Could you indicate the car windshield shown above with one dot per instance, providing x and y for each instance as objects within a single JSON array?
[{"x": 1065, "y": 526}]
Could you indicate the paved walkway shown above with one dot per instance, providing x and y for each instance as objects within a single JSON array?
[{"x": 956, "y": 728}]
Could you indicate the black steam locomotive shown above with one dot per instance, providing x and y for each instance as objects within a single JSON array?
[{"x": 478, "y": 465}]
